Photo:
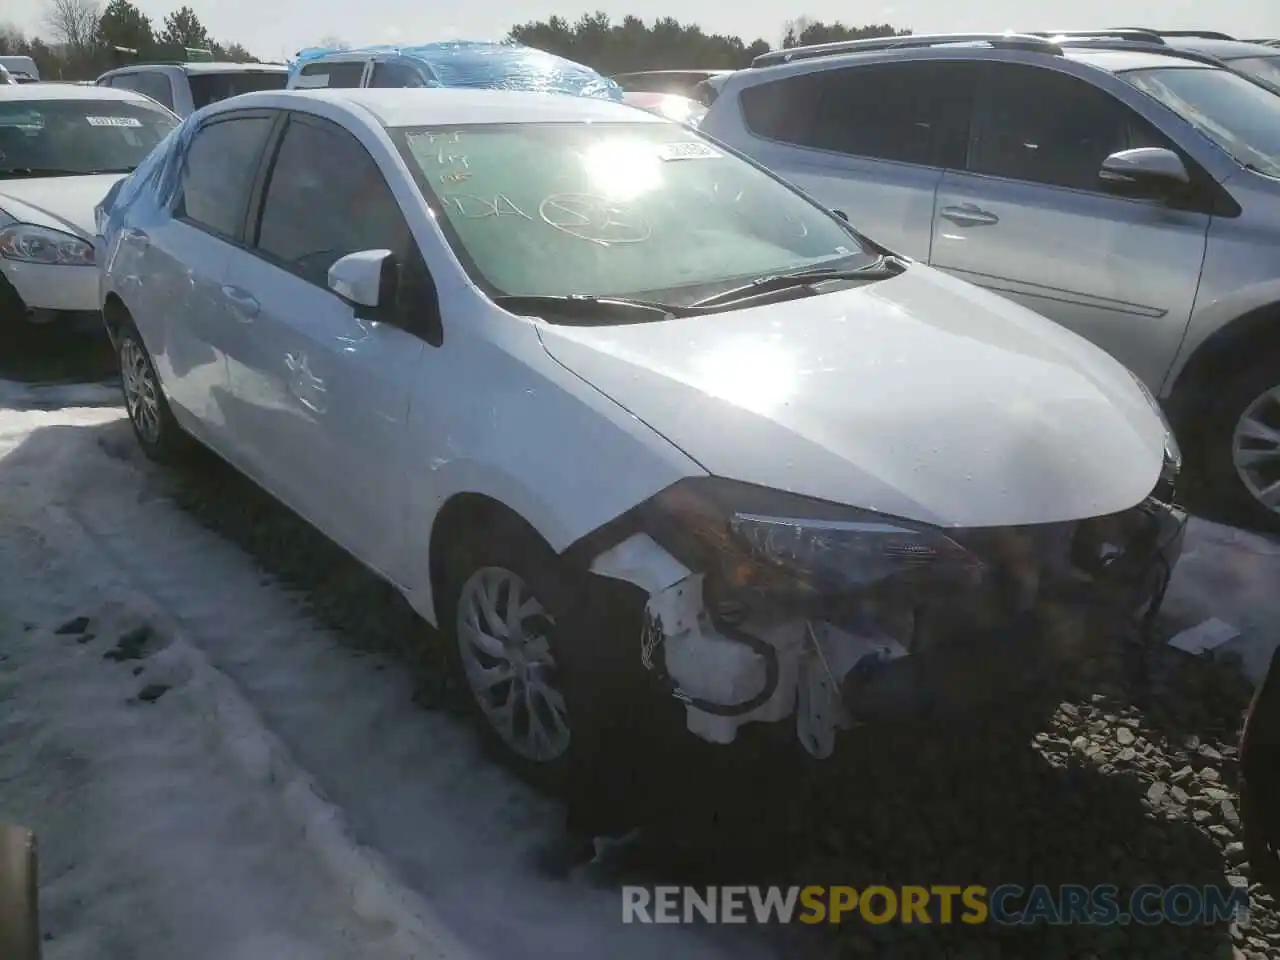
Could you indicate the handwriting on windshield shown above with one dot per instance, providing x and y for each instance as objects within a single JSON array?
[
  {"x": 593, "y": 218},
  {"x": 471, "y": 207}
]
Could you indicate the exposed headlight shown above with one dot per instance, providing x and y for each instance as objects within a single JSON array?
[
  {"x": 759, "y": 540},
  {"x": 28, "y": 243}
]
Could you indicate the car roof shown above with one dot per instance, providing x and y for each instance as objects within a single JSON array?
[
  {"x": 1222, "y": 49},
  {"x": 68, "y": 91},
  {"x": 449, "y": 106},
  {"x": 1120, "y": 61},
  {"x": 1113, "y": 59},
  {"x": 201, "y": 67}
]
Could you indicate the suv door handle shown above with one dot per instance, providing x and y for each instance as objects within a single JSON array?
[
  {"x": 970, "y": 215},
  {"x": 242, "y": 302}
]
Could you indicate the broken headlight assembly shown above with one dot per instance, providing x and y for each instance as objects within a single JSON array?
[{"x": 761, "y": 547}]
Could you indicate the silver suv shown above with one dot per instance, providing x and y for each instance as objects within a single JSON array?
[{"x": 1130, "y": 195}]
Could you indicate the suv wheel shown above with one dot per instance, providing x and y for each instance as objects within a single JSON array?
[{"x": 1242, "y": 445}]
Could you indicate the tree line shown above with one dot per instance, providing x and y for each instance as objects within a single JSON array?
[{"x": 83, "y": 39}]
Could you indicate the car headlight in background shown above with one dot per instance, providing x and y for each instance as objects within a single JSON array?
[
  {"x": 753, "y": 540},
  {"x": 28, "y": 243}
]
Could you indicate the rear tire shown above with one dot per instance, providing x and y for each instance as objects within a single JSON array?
[
  {"x": 1226, "y": 444},
  {"x": 19, "y": 895},
  {"x": 158, "y": 433}
]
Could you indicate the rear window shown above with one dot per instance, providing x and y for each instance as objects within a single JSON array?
[
  {"x": 207, "y": 88},
  {"x": 343, "y": 73}
]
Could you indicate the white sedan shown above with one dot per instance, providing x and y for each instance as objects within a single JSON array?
[
  {"x": 62, "y": 147},
  {"x": 630, "y": 419}
]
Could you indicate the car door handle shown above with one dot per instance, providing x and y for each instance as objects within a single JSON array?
[
  {"x": 137, "y": 237},
  {"x": 970, "y": 215},
  {"x": 242, "y": 302}
]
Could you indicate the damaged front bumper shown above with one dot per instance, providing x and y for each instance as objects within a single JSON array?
[{"x": 763, "y": 620}]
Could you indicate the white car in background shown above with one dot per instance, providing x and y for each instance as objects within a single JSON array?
[
  {"x": 630, "y": 419},
  {"x": 62, "y": 146}
]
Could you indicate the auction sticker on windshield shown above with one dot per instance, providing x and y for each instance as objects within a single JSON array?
[
  {"x": 114, "y": 121},
  {"x": 690, "y": 150}
]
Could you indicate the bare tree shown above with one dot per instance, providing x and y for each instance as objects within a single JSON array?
[
  {"x": 331, "y": 42},
  {"x": 74, "y": 23}
]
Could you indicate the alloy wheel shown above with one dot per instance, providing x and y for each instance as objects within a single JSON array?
[
  {"x": 1255, "y": 449},
  {"x": 141, "y": 391},
  {"x": 503, "y": 638}
]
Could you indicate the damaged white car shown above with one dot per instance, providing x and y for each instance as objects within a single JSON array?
[{"x": 542, "y": 360}]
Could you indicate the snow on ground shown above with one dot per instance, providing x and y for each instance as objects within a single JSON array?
[{"x": 283, "y": 797}]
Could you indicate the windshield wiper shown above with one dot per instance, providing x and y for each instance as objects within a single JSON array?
[
  {"x": 595, "y": 309},
  {"x": 879, "y": 269}
]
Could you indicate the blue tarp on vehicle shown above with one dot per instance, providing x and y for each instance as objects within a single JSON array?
[{"x": 485, "y": 64}]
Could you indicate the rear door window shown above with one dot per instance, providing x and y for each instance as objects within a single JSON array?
[
  {"x": 155, "y": 85},
  {"x": 339, "y": 73},
  {"x": 396, "y": 75},
  {"x": 217, "y": 177},
  {"x": 207, "y": 88},
  {"x": 916, "y": 112}
]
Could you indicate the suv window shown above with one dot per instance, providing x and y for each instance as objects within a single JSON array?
[
  {"x": 340, "y": 73},
  {"x": 219, "y": 171},
  {"x": 1047, "y": 127},
  {"x": 207, "y": 88},
  {"x": 326, "y": 199},
  {"x": 911, "y": 112},
  {"x": 395, "y": 75},
  {"x": 152, "y": 83}
]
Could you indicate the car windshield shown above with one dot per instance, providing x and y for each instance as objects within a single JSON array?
[
  {"x": 616, "y": 209},
  {"x": 1263, "y": 69},
  {"x": 80, "y": 136},
  {"x": 1238, "y": 115},
  {"x": 207, "y": 88}
]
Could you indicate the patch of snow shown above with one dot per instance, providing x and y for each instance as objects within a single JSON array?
[
  {"x": 152, "y": 845},
  {"x": 1204, "y": 636},
  {"x": 1232, "y": 575},
  {"x": 409, "y": 790}
]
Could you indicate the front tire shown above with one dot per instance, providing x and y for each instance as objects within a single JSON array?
[
  {"x": 1240, "y": 451},
  {"x": 540, "y": 654},
  {"x": 158, "y": 433}
]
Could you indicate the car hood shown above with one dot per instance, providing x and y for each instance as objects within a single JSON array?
[
  {"x": 919, "y": 396},
  {"x": 62, "y": 203}
]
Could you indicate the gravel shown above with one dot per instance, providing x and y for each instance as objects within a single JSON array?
[{"x": 1074, "y": 783}]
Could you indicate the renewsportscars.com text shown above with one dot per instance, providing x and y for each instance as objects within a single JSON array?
[{"x": 1008, "y": 905}]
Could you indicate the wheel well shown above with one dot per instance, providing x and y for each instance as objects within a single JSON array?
[
  {"x": 461, "y": 513},
  {"x": 1232, "y": 348},
  {"x": 114, "y": 314}
]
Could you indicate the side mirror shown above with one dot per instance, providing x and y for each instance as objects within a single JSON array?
[
  {"x": 366, "y": 278},
  {"x": 842, "y": 215},
  {"x": 1144, "y": 171}
]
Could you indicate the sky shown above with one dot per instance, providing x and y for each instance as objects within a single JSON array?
[{"x": 273, "y": 29}]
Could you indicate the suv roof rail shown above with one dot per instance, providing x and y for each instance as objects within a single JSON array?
[
  {"x": 1200, "y": 34},
  {"x": 1107, "y": 43},
  {"x": 1118, "y": 33},
  {"x": 1012, "y": 41}
]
